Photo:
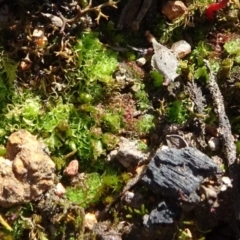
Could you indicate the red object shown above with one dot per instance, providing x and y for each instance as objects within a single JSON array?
[{"x": 215, "y": 7}]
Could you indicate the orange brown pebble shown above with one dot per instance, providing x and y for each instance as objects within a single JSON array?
[{"x": 72, "y": 168}]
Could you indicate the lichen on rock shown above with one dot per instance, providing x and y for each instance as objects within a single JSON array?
[{"x": 26, "y": 172}]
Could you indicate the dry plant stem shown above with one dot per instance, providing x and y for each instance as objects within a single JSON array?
[
  {"x": 196, "y": 96},
  {"x": 72, "y": 153},
  {"x": 226, "y": 137},
  {"x": 224, "y": 124},
  {"x": 89, "y": 8},
  {"x": 144, "y": 8},
  {"x": 5, "y": 224},
  {"x": 80, "y": 212}
]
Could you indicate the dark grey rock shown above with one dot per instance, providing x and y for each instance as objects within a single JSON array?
[
  {"x": 177, "y": 173},
  {"x": 165, "y": 213}
]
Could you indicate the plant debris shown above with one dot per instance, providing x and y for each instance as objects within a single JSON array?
[
  {"x": 164, "y": 60},
  {"x": 226, "y": 137}
]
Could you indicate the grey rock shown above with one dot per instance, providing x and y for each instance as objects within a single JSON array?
[
  {"x": 127, "y": 153},
  {"x": 164, "y": 61},
  {"x": 165, "y": 213},
  {"x": 177, "y": 173}
]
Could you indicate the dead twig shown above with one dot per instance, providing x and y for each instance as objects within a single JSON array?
[
  {"x": 89, "y": 8},
  {"x": 226, "y": 137},
  {"x": 197, "y": 110}
]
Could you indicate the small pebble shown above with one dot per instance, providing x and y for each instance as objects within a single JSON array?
[
  {"x": 181, "y": 48},
  {"x": 227, "y": 181},
  {"x": 38, "y": 32},
  {"x": 141, "y": 61},
  {"x": 174, "y": 9},
  {"x": 90, "y": 220},
  {"x": 128, "y": 196},
  {"x": 214, "y": 144},
  {"x": 72, "y": 168},
  {"x": 59, "y": 190}
]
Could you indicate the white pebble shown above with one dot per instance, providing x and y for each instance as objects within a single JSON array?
[
  {"x": 214, "y": 143},
  {"x": 141, "y": 61},
  {"x": 59, "y": 190},
  {"x": 181, "y": 48}
]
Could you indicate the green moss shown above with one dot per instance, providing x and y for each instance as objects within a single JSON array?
[
  {"x": 60, "y": 162},
  {"x": 232, "y": 47},
  {"x": 141, "y": 97},
  {"x": 60, "y": 112},
  {"x": 226, "y": 67},
  {"x": 142, "y": 146},
  {"x": 201, "y": 72},
  {"x": 176, "y": 112},
  {"x": 112, "y": 122},
  {"x": 6, "y": 92},
  {"x": 111, "y": 181},
  {"x": 157, "y": 78},
  {"x": 62, "y": 126},
  {"x": 5, "y": 236},
  {"x": 238, "y": 147},
  {"x": 87, "y": 193},
  {"x": 109, "y": 141},
  {"x": 130, "y": 55},
  {"x": 96, "y": 62},
  {"x": 196, "y": 66},
  {"x": 108, "y": 200},
  {"x": 93, "y": 188},
  {"x": 22, "y": 112},
  {"x": 8, "y": 67},
  {"x": 144, "y": 124},
  {"x": 97, "y": 148},
  {"x": 125, "y": 177},
  {"x": 3, "y": 150}
]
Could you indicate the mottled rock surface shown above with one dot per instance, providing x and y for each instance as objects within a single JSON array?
[
  {"x": 105, "y": 231},
  {"x": 127, "y": 153},
  {"x": 26, "y": 172}
]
